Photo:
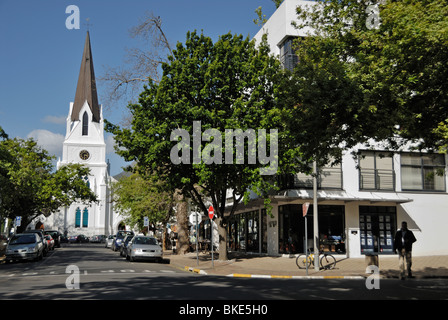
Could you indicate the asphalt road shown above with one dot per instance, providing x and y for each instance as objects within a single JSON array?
[{"x": 102, "y": 274}]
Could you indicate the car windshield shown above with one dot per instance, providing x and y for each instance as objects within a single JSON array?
[
  {"x": 23, "y": 239},
  {"x": 145, "y": 240},
  {"x": 123, "y": 234}
]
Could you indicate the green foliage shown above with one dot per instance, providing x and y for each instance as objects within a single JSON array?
[
  {"x": 29, "y": 185},
  {"x": 230, "y": 84},
  {"x": 136, "y": 197},
  {"x": 357, "y": 83}
]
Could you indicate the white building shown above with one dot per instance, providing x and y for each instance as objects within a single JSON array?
[
  {"x": 359, "y": 209},
  {"x": 84, "y": 143}
]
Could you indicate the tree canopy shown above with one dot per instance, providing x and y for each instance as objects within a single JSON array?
[
  {"x": 372, "y": 73},
  {"x": 136, "y": 197},
  {"x": 29, "y": 185},
  {"x": 205, "y": 89}
]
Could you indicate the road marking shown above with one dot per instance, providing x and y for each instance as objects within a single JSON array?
[
  {"x": 127, "y": 270},
  {"x": 29, "y": 274},
  {"x": 111, "y": 271},
  {"x": 167, "y": 271}
]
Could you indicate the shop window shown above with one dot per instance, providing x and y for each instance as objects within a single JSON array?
[
  {"x": 423, "y": 172},
  {"x": 244, "y": 232},
  {"x": 292, "y": 229},
  {"x": 377, "y": 226},
  {"x": 376, "y": 171}
]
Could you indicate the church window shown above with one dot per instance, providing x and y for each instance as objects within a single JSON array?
[
  {"x": 85, "y": 218},
  {"x": 78, "y": 218},
  {"x": 85, "y": 124}
]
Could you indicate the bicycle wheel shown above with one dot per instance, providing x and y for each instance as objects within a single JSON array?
[
  {"x": 302, "y": 261},
  {"x": 327, "y": 261}
]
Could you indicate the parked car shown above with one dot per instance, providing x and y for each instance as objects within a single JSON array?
[
  {"x": 144, "y": 248},
  {"x": 110, "y": 240},
  {"x": 80, "y": 238},
  {"x": 56, "y": 235},
  {"x": 101, "y": 238},
  {"x": 64, "y": 239},
  {"x": 124, "y": 245},
  {"x": 119, "y": 239},
  {"x": 40, "y": 233},
  {"x": 25, "y": 246},
  {"x": 50, "y": 242}
]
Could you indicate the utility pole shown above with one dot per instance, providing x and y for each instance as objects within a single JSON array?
[{"x": 315, "y": 219}]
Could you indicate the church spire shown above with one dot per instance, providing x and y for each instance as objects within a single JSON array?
[{"x": 86, "y": 89}]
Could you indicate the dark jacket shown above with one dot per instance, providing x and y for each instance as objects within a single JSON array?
[{"x": 409, "y": 239}]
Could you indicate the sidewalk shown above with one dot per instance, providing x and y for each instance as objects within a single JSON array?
[{"x": 256, "y": 266}]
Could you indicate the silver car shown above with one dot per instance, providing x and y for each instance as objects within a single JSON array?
[
  {"x": 109, "y": 241},
  {"x": 25, "y": 246},
  {"x": 144, "y": 248}
]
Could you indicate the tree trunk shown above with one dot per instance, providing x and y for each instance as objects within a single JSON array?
[
  {"x": 223, "y": 254},
  {"x": 183, "y": 242}
]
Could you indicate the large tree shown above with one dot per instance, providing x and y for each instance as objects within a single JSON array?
[
  {"x": 371, "y": 71},
  {"x": 30, "y": 186},
  {"x": 205, "y": 89},
  {"x": 137, "y": 197}
]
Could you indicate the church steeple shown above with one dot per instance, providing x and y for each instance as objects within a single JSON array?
[{"x": 86, "y": 89}]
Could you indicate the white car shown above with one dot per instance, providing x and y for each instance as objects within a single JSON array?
[
  {"x": 144, "y": 248},
  {"x": 109, "y": 241}
]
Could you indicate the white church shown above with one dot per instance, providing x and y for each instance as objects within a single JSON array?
[{"x": 84, "y": 143}]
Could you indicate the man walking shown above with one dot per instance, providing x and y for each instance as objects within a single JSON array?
[{"x": 403, "y": 241}]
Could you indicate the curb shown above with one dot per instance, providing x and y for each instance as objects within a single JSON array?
[
  {"x": 263, "y": 276},
  {"x": 194, "y": 270}
]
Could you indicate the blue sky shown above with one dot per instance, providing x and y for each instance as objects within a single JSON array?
[{"x": 40, "y": 57}]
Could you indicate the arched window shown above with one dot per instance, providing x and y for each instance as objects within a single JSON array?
[
  {"x": 78, "y": 218},
  {"x": 85, "y": 124},
  {"x": 85, "y": 218}
]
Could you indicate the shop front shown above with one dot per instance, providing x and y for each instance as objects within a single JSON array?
[
  {"x": 377, "y": 225},
  {"x": 247, "y": 232},
  {"x": 291, "y": 228}
]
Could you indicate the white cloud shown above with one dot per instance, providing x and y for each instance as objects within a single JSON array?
[
  {"x": 52, "y": 142},
  {"x": 110, "y": 143},
  {"x": 55, "y": 119}
]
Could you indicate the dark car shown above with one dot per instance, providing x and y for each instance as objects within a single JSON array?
[
  {"x": 40, "y": 233},
  {"x": 56, "y": 235},
  {"x": 124, "y": 245},
  {"x": 119, "y": 239},
  {"x": 80, "y": 238}
]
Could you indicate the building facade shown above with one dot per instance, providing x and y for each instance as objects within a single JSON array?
[
  {"x": 361, "y": 202},
  {"x": 84, "y": 143}
]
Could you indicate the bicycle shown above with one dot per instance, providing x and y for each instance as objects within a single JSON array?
[{"x": 327, "y": 261}]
